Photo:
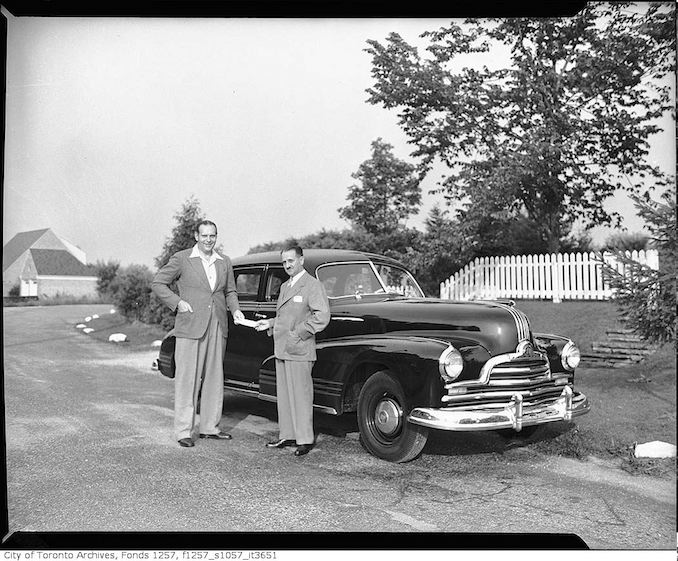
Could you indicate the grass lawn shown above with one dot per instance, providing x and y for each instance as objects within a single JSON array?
[
  {"x": 629, "y": 405},
  {"x": 139, "y": 335},
  {"x": 582, "y": 321}
]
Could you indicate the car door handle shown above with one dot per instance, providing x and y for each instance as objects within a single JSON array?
[{"x": 260, "y": 316}]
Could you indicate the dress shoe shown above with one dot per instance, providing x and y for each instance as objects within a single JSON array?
[
  {"x": 282, "y": 443},
  {"x": 186, "y": 442},
  {"x": 303, "y": 449},
  {"x": 218, "y": 436}
]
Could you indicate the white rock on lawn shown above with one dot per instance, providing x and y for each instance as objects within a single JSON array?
[
  {"x": 156, "y": 343},
  {"x": 88, "y": 318},
  {"x": 95, "y": 316},
  {"x": 87, "y": 330},
  {"x": 80, "y": 326},
  {"x": 112, "y": 310},
  {"x": 655, "y": 449},
  {"x": 117, "y": 337}
]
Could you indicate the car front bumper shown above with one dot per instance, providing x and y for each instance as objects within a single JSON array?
[{"x": 493, "y": 416}]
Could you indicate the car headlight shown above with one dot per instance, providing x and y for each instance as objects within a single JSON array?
[
  {"x": 450, "y": 364},
  {"x": 570, "y": 356}
]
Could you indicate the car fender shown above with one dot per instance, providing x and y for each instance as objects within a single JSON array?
[
  {"x": 344, "y": 364},
  {"x": 553, "y": 346}
]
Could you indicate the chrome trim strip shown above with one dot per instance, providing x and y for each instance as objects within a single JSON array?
[
  {"x": 501, "y": 382},
  {"x": 520, "y": 319},
  {"x": 521, "y": 369},
  {"x": 248, "y": 385},
  {"x": 486, "y": 370},
  {"x": 241, "y": 390},
  {"x": 323, "y": 408},
  {"x": 535, "y": 393},
  {"x": 346, "y": 318}
]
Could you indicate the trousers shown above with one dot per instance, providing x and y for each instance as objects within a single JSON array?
[
  {"x": 199, "y": 373},
  {"x": 294, "y": 389}
]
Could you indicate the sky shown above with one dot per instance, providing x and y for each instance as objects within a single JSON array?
[{"x": 113, "y": 123}]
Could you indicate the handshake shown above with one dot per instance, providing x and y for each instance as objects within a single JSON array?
[
  {"x": 260, "y": 325},
  {"x": 263, "y": 325}
]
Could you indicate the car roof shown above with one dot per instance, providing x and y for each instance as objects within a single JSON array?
[{"x": 313, "y": 258}]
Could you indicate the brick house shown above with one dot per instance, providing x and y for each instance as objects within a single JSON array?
[{"x": 43, "y": 264}]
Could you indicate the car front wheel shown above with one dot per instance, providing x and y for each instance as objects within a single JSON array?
[{"x": 382, "y": 419}]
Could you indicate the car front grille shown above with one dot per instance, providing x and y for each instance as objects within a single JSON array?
[
  {"x": 528, "y": 375},
  {"x": 520, "y": 371}
]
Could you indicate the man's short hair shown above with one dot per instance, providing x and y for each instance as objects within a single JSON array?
[
  {"x": 295, "y": 248},
  {"x": 196, "y": 229}
]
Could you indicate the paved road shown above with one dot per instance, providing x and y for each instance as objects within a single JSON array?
[{"x": 89, "y": 448}]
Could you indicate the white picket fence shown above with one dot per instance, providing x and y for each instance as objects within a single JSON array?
[{"x": 556, "y": 276}]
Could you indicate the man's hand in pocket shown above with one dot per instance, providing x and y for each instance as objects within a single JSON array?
[{"x": 184, "y": 307}]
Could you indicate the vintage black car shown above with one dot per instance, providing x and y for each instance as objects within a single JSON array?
[{"x": 404, "y": 363}]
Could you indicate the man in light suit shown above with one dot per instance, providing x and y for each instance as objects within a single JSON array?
[
  {"x": 206, "y": 286},
  {"x": 302, "y": 311}
]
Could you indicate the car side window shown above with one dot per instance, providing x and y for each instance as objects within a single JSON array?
[
  {"x": 276, "y": 276},
  {"x": 398, "y": 280},
  {"x": 247, "y": 283},
  {"x": 348, "y": 279}
]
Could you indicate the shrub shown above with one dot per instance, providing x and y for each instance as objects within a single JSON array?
[
  {"x": 626, "y": 241},
  {"x": 130, "y": 291},
  {"x": 106, "y": 273},
  {"x": 158, "y": 313},
  {"x": 15, "y": 291},
  {"x": 647, "y": 297}
]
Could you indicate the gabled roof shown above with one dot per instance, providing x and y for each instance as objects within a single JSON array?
[
  {"x": 59, "y": 262},
  {"x": 18, "y": 244}
]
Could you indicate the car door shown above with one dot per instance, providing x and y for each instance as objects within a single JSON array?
[
  {"x": 241, "y": 368},
  {"x": 275, "y": 276}
]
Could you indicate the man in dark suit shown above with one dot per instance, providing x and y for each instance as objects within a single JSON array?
[
  {"x": 302, "y": 311},
  {"x": 206, "y": 286}
]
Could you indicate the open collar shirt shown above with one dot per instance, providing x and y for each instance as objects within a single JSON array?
[
  {"x": 296, "y": 277},
  {"x": 208, "y": 264}
]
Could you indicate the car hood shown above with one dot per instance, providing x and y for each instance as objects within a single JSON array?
[{"x": 497, "y": 327}]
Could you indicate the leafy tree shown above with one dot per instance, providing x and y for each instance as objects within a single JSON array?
[
  {"x": 553, "y": 135},
  {"x": 106, "y": 271},
  {"x": 577, "y": 242},
  {"x": 274, "y": 246},
  {"x": 402, "y": 244},
  {"x": 182, "y": 234},
  {"x": 388, "y": 193},
  {"x": 181, "y": 238},
  {"x": 647, "y": 297},
  {"x": 443, "y": 250},
  {"x": 395, "y": 244}
]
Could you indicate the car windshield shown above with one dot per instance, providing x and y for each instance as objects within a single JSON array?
[{"x": 358, "y": 278}]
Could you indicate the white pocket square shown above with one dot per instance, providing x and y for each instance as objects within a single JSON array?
[{"x": 298, "y": 298}]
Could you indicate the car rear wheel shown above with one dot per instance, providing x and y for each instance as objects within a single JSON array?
[{"x": 382, "y": 419}]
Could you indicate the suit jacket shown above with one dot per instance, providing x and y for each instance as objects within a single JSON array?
[
  {"x": 194, "y": 288},
  {"x": 302, "y": 311}
]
